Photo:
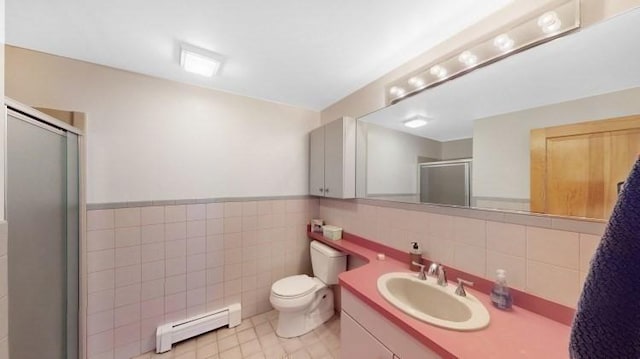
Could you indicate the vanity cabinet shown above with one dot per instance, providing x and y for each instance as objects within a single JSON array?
[
  {"x": 358, "y": 343},
  {"x": 365, "y": 333},
  {"x": 332, "y": 157}
]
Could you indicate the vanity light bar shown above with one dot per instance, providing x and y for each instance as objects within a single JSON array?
[{"x": 539, "y": 28}]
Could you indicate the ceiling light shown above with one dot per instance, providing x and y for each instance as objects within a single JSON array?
[
  {"x": 549, "y": 22},
  {"x": 468, "y": 58},
  {"x": 503, "y": 42},
  {"x": 416, "y": 121},
  {"x": 438, "y": 71},
  {"x": 416, "y": 81},
  {"x": 200, "y": 61},
  {"x": 397, "y": 91}
]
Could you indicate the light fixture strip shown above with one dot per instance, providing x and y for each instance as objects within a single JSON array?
[{"x": 539, "y": 28}]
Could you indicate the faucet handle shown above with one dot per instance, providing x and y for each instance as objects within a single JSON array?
[
  {"x": 460, "y": 289},
  {"x": 442, "y": 276},
  {"x": 421, "y": 275},
  {"x": 433, "y": 269}
]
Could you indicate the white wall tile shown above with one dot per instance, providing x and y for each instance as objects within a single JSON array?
[
  {"x": 127, "y": 217},
  {"x": 175, "y": 214},
  {"x": 152, "y": 215},
  {"x": 196, "y": 212},
  {"x": 126, "y": 237},
  {"x": 553, "y": 247},
  {"x": 100, "y": 219}
]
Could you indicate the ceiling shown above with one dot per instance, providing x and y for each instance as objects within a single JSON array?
[
  {"x": 601, "y": 59},
  {"x": 303, "y": 53}
]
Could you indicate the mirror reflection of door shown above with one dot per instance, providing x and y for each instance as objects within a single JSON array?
[{"x": 576, "y": 169}]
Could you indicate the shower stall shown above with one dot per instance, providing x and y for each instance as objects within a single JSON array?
[{"x": 43, "y": 212}]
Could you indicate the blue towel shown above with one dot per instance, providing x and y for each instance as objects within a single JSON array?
[{"x": 607, "y": 322}]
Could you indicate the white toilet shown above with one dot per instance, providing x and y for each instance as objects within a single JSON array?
[{"x": 304, "y": 303}]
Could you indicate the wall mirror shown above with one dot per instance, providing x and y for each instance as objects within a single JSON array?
[{"x": 554, "y": 129}]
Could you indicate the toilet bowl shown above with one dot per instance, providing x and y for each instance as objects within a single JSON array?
[{"x": 303, "y": 302}]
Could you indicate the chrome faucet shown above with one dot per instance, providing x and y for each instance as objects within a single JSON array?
[
  {"x": 437, "y": 270},
  {"x": 460, "y": 289},
  {"x": 421, "y": 275}
]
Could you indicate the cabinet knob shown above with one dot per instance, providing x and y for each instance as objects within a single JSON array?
[
  {"x": 326, "y": 190},
  {"x": 321, "y": 189}
]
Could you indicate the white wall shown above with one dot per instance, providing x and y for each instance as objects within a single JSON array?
[
  {"x": 457, "y": 149},
  {"x": 392, "y": 157},
  {"x": 152, "y": 139},
  {"x": 501, "y": 143}
]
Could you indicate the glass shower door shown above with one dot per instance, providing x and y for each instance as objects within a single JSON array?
[{"x": 42, "y": 213}]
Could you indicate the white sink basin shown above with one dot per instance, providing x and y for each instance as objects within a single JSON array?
[{"x": 427, "y": 301}]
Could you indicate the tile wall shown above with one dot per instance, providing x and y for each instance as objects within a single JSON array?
[
  {"x": 546, "y": 262},
  {"x": 156, "y": 264},
  {"x": 4, "y": 308}
]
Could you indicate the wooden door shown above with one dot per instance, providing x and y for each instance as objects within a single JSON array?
[
  {"x": 575, "y": 169},
  {"x": 316, "y": 162}
]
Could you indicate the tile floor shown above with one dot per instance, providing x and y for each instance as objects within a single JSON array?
[{"x": 255, "y": 338}]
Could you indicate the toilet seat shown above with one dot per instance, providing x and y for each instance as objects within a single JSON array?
[{"x": 294, "y": 286}]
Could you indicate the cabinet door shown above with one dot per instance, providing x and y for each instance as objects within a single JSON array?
[
  {"x": 316, "y": 162},
  {"x": 334, "y": 159},
  {"x": 356, "y": 342}
]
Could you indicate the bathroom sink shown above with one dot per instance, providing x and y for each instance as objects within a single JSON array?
[{"x": 427, "y": 301}]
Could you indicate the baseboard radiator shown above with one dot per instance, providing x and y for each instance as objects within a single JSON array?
[{"x": 168, "y": 334}]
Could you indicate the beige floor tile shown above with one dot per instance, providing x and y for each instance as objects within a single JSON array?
[
  {"x": 233, "y": 353},
  {"x": 317, "y": 350},
  {"x": 246, "y": 324},
  {"x": 227, "y": 343},
  {"x": 250, "y": 348},
  {"x": 269, "y": 340},
  {"x": 187, "y": 355},
  {"x": 263, "y": 329},
  {"x": 259, "y": 319},
  {"x": 225, "y": 332},
  {"x": 206, "y": 338},
  {"x": 247, "y": 335},
  {"x": 166, "y": 355},
  {"x": 291, "y": 345},
  {"x": 309, "y": 338},
  {"x": 275, "y": 352},
  {"x": 256, "y": 356},
  {"x": 301, "y": 354},
  {"x": 184, "y": 347},
  {"x": 143, "y": 356},
  {"x": 208, "y": 350}
]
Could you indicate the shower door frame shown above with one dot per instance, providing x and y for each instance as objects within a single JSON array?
[{"x": 35, "y": 115}]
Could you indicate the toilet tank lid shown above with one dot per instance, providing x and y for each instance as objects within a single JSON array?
[{"x": 326, "y": 250}]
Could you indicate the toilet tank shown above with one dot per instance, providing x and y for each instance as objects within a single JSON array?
[{"x": 327, "y": 262}]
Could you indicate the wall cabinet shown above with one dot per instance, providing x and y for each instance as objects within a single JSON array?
[
  {"x": 332, "y": 158},
  {"x": 365, "y": 333}
]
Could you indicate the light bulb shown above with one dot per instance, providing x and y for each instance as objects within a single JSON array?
[
  {"x": 468, "y": 58},
  {"x": 416, "y": 82},
  {"x": 503, "y": 42},
  {"x": 397, "y": 91},
  {"x": 549, "y": 22},
  {"x": 438, "y": 71}
]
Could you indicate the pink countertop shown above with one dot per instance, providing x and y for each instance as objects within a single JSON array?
[{"x": 511, "y": 334}]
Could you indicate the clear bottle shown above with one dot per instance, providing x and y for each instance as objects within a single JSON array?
[{"x": 500, "y": 294}]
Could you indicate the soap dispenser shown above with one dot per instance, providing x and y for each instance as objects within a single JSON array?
[
  {"x": 415, "y": 256},
  {"x": 500, "y": 294}
]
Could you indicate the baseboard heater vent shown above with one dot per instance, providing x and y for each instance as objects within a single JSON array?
[{"x": 168, "y": 334}]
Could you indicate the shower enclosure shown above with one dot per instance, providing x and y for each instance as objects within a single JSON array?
[{"x": 42, "y": 208}]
